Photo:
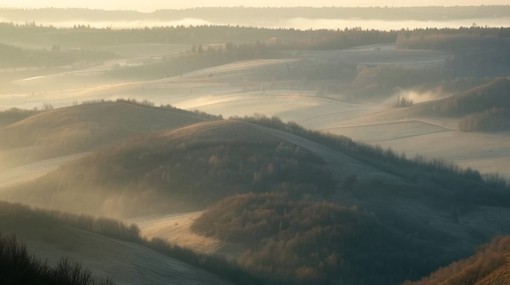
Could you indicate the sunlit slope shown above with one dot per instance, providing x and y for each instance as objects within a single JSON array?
[
  {"x": 125, "y": 262},
  {"x": 192, "y": 167},
  {"x": 489, "y": 266},
  {"x": 81, "y": 128},
  {"x": 494, "y": 94}
]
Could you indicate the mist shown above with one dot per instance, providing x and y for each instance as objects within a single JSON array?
[{"x": 257, "y": 145}]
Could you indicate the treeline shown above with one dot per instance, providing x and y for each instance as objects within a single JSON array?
[
  {"x": 14, "y": 57},
  {"x": 495, "y": 119},
  {"x": 494, "y": 94},
  {"x": 490, "y": 265},
  {"x": 384, "y": 80},
  {"x": 315, "y": 242},
  {"x": 149, "y": 104},
  {"x": 482, "y": 108},
  {"x": 18, "y": 266},
  {"x": 192, "y": 61},
  {"x": 464, "y": 38},
  {"x": 12, "y": 115},
  {"x": 82, "y": 36}
]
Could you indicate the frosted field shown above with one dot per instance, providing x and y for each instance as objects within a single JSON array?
[{"x": 124, "y": 262}]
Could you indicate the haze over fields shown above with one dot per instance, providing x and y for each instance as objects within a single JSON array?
[{"x": 255, "y": 143}]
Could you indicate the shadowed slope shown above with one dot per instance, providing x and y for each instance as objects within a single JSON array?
[
  {"x": 126, "y": 262},
  {"x": 489, "y": 266}
]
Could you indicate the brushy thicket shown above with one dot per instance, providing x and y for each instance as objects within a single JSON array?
[
  {"x": 316, "y": 242},
  {"x": 490, "y": 265},
  {"x": 17, "y": 266}
]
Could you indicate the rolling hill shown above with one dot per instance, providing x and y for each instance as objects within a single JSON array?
[
  {"x": 186, "y": 168},
  {"x": 109, "y": 251},
  {"x": 375, "y": 201},
  {"x": 85, "y": 127}
]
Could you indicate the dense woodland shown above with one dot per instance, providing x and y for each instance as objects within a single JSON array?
[{"x": 310, "y": 242}]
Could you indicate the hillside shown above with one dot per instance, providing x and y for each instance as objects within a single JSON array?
[
  {"x": 375, "y": 201},
  {"x": 121, "y": 257},
  {"x": 187, "y": 168},
  {"x": 80, "y": 128},
  {"x": 19, "y": 267},
  {"x": 489, "y": 266},
  {"x": 482, "y": 108}
]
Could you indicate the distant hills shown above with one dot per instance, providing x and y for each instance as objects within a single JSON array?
[
  {"x": 88, "y": 126},
  {"x": 244, "y": 14},
  {"x": 482, "y": 108}
]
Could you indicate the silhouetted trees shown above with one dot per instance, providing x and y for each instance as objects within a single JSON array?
[{"x": 18, "y": 266}]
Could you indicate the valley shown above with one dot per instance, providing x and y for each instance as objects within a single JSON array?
[{"x": 248, "y": 155}]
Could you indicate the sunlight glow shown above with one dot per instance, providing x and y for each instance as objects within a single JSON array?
[{"x": 152, "y": 5}]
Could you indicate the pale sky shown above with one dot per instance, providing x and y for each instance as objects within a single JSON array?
[{"x": 151, "y": 5}]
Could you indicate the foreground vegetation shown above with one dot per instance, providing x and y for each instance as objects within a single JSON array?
[
  {"x": 28, "y": 219},
  {"x": 17, "y": 266},
  {"x": 489, "y": 266}
]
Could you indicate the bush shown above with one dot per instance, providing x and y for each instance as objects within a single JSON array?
[{"x": 17, "y": 266}]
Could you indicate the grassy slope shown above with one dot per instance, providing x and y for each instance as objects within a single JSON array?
[
  {"x": 125, "y": 262},
  {"x": 85, "y": 127}
]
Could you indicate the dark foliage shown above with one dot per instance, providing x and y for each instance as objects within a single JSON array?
[
  {"x": 494, "y": 94},
  {"x": 455, "y": 39},
  {"x": 495, "y": 119},
  {"x": 27, "y": 217},
  {"x": 457, "y": 185},
  {"x": 12, "y": 57},
  {"x": 83, "y": 36},
  {"x": 490, "y": 265},
  {"x": 312, "y": 242},
  {"x": 13, "y": 115},
  {"x": 17, "y": 266}
]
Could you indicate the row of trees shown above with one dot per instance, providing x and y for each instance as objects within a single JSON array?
[{"x": 495, "y": 119}]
